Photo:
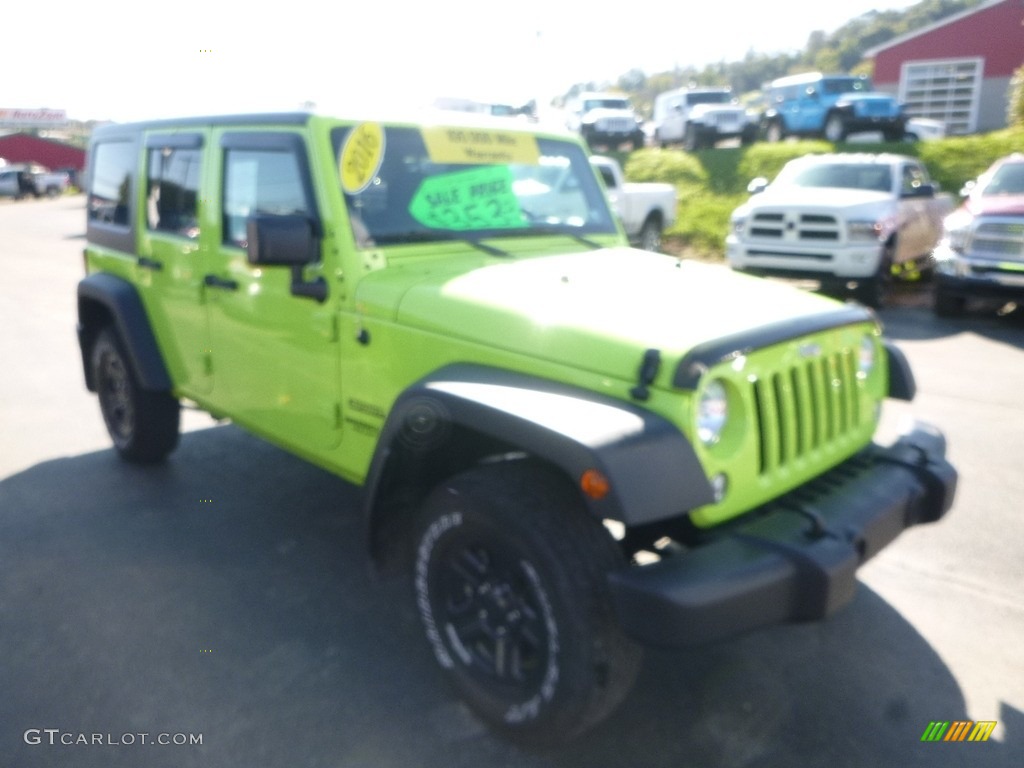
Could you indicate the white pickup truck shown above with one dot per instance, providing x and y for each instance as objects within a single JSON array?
[
  {"x": 645, "y": 209},
  {"x": 22, "y": 180},
  {"x": 850, "y": 220}
]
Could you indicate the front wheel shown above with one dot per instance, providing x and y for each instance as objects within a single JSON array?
[
  {"x": 143, "y": 425},
  {"x": 773, "y": 132},
  {"x": 510, "y": 585}
]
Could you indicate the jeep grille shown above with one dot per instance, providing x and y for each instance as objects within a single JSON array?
[
  {"x": 806, "y": 408},
  {"x": 616, "y": 124}
]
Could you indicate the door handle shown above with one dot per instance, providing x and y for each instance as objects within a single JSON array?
[
  {"x": 147, "y": 263},
  {"x": 220, "y": 282}
]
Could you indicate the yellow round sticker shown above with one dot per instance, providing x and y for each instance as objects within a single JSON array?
[{"x": 361, "y": 157}]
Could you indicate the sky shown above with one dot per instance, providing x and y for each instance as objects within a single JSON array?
[{"x": 130, "y": 59}]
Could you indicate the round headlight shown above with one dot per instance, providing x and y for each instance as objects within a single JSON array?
[
  {"x": 712, "y": 412},
  {"x": 866, "y": 358}
]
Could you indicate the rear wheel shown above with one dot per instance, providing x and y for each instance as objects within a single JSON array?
[
  {"x": 835, "y": 128},
  {"x": 650, "y": 234},
  {"x": 510, "y": 585},
  {"x": 142, "y": 424}
]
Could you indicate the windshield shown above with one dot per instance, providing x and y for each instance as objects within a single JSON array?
[
  {"x": 590, "y": 104},
  {"x": 709, "y": 98},
  {"x": 406, "y": 184},
  {"x": 1007, "y": 180},
  {"x": 837, "y": 175},
  {"x": 837, "y": 85}
]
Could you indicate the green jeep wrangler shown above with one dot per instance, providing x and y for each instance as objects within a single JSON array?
[{"x": 572, "y": 448}]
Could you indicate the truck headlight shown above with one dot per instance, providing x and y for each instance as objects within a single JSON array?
[
  {"x": 864, "y": 230},
  {"x": 957, "y": 231},
  {"x": 738, "y": 223},
  {"x": 712, "y": 412}
]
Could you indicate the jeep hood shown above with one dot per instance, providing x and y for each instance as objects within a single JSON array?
[{"x": 596, "y": 310}]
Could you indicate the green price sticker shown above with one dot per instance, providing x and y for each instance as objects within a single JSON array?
[{"x": 481, "y": 198}]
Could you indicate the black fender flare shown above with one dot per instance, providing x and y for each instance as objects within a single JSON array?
[
  {"x": 465, "y": 413},
  {"x": 108, "y": 298}
]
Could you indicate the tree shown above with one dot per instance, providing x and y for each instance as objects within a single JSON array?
[{"x": 1015, "y": 106}]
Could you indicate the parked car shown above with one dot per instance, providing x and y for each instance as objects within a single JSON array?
[
  {"x": 829, "y": 106},
  {"x": 605, "y": 119},
  {"x": 701, "y": 117},
  {"x": 982, "y": 248},
  {"x": 840, "y": 218},
  {"x": 645, "y": 209},
  {"x": 569, "y": 447}
]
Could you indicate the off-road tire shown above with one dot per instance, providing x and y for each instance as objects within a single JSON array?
[
  {"x": 774, "y": 132},
  {"x": 143, "y": 425},
  {"x": 510, "y": 583},
  {"x": 650, "y": 235},
  {"x": 835, "y": 128}
]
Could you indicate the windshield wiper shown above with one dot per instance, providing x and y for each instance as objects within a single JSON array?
[
  {"x": 420, "y": 236},
  {"x": 535, "y": 230}
]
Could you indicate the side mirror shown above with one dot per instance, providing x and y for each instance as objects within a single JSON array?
[
  {"x": 758, "y": 185},
  {"x": 968, "y": 188},
  {"x": 280, "y": 240},
  {"x": 921, "y": 190}
]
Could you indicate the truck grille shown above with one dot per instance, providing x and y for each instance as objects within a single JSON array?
[
  {"x": 999, "y": 239},
  {"x": 794, "y": 227},
  {"x": 806, "y": 408}
]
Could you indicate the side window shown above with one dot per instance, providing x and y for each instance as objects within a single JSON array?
[
  {"x": 110, "y": 185},
  {"x": 260, "y": 181},
  {"x": 172, "y": 192}
]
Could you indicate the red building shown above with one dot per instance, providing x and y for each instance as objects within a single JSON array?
[
  {"x": 24, "y": 148},
  {"x": 957, "y": 70}
]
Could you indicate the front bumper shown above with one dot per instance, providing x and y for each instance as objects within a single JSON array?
[
  {"x": 978, "y": 277},
  {"x": 796, "y": 558},
  {"x": 848, "y": 262},
  {"x": 594, "y": 135}
]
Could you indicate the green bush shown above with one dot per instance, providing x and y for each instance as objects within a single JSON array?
[
  {"x": 703, "y": 221},
  {"x": 666, "y": 165},
  {"x": 766, "y": 160},
  {"x": 959, "y": 159}
]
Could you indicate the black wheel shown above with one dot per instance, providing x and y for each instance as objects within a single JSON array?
[
  {"x": 142, "y": 424},
  {"x": 773, "y": 131},
  {"x": 835, "y": 128},
  {"x": 510, "y": 584},
  {"x": 650, "y": 235},
  {"x": 947, "y": 304},
  {"x": 894, "y": 135},
  {"x": 691, "y": 139},
  {"x": 871, "y": 291}
]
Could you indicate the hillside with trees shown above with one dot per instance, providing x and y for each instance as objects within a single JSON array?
[{"x": 839, "y": 51}]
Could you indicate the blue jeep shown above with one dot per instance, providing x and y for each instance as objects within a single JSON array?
[{"x": 829, "y": 106}]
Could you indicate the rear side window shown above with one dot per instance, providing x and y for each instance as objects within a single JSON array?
[
  {"x": 110, "y": 185},
  {"x": 172, "y": 190}
]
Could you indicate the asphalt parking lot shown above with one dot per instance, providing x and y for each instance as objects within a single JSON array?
[{"x": 226, "y": 594}]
